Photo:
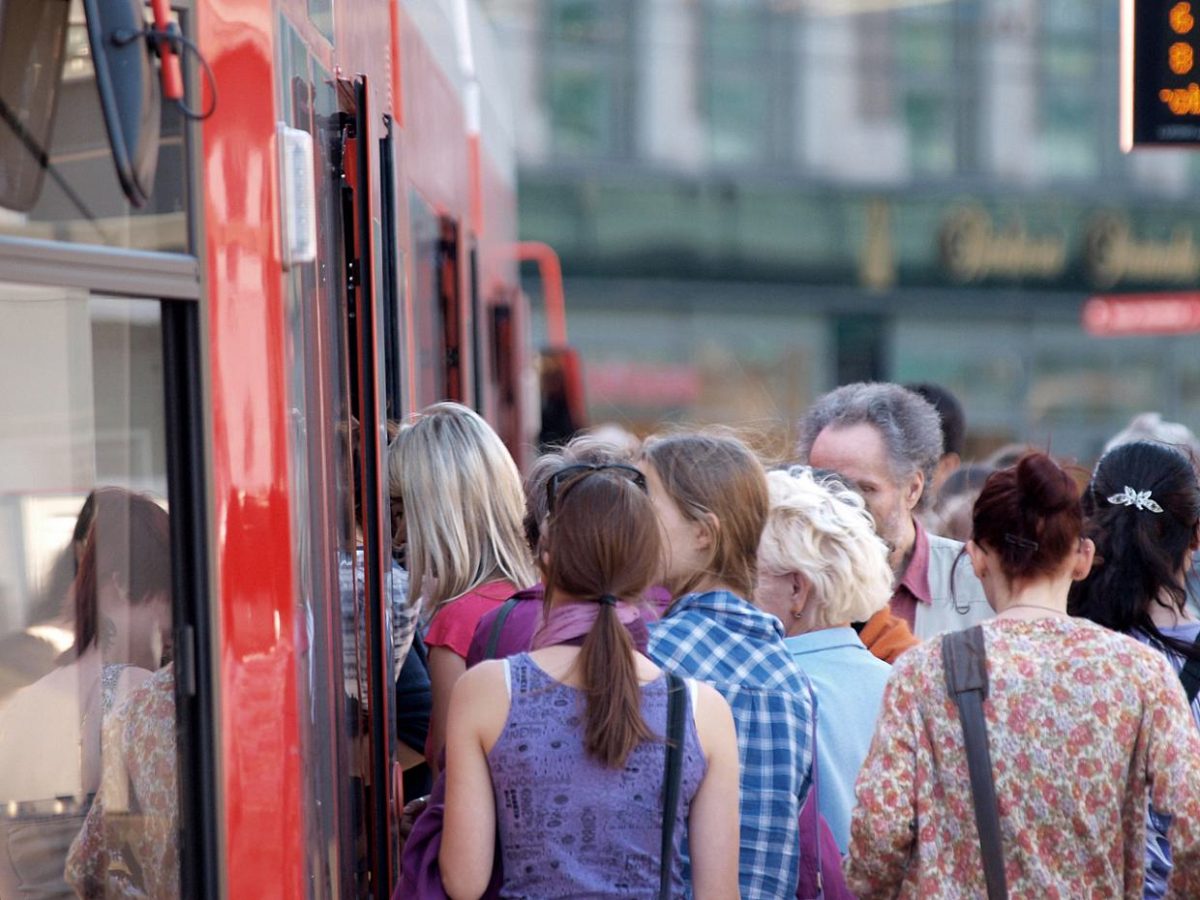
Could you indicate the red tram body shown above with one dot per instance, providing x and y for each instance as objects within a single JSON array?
[
  {"x": 459, "y": 181},
  {"x": 278, "y": 368}
]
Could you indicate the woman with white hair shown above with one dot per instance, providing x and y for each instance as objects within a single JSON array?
[
  {"x": 466, "y": 550},
  {"x": 821, "y": 566}
]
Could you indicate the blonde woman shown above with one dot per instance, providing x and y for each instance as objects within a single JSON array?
[
  {"x": 466, "y": 551},
  {"x": 821, "y": 566}
]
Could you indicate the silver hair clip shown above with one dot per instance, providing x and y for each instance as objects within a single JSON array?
[{"x": 1139, "y": 499}]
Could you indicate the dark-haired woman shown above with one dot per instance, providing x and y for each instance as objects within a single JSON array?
[
  {"x": 562, "y": 750},
  {"x": 1143, "y": 509},
  {"x": 1083, "y": 724}
]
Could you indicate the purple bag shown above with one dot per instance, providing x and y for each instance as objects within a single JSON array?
[
  {"x": 420, "y": 877},
  {"x": 821, "y": 875}
]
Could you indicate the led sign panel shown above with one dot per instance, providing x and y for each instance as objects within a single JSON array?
[{"x": 1160, "y": 73}]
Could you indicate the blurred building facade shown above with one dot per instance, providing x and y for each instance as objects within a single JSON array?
[{"x": 755, "y": 201}]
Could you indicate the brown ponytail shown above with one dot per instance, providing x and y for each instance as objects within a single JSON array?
[
  {"x": 603, "y": 544},
  {"x": 613, "y": 724}
]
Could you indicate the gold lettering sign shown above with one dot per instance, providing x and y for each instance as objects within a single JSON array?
[
  {"x": 972, "y": 249},
  {"x": 1113, "y": 254}
]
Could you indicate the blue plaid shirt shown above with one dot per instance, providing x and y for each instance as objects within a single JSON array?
[{"x": 721, "y": 639}]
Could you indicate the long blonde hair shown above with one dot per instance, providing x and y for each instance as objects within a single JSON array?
[{"x": 462, "y": 503}]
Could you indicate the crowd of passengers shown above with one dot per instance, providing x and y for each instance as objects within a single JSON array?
[{"x": 665, "y": 669}]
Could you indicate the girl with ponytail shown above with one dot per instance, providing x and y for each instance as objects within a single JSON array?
[
  {"x": 560, "y": 752},
  {"x": 1143, "y": 511}
]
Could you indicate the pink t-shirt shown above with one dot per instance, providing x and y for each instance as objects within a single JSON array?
[{"x": 453, "y": 625}]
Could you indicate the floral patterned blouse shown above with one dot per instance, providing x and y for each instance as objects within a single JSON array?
[
  {"x": 1082, "y": 722},
  {"x": 128, "y": 846}
]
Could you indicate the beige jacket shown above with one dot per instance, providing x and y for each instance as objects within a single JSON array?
[{"x": 957, "y": 595}]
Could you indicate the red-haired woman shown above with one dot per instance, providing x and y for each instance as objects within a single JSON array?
[
  {"x": 561, "y": 750},
  {"x": 1083, "y": 725}
]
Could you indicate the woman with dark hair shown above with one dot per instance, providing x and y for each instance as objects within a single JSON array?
[
  {"x": 1143, "y": 511},
  {"x": 1083, "y": 725},
  {"x": 561, "y": 751}
]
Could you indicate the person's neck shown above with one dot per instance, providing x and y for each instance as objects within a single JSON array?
[
  {"x": 1164, "y": 614},
  {"x": 1036, "y": 600},
  {"x": 902, "y": 553},
  {"x": 711, "y": 585}
]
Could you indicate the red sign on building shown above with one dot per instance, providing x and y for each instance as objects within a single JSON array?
[{"x": 1117, "y": 315}]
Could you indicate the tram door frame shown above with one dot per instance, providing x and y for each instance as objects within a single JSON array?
[{"x": 373, "y": 374}]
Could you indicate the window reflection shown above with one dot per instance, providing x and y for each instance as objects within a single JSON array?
[
  {"x": 87, "y": 717},
  {"x": 80, "y": 198}
]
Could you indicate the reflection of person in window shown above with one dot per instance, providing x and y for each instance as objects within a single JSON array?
[
  {"x": 47, "y": 641},
  {"x": 50, "y": 730},
  {"x": 128, "y": 846}
]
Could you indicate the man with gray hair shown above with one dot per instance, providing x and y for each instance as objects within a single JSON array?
[{"x": 887, "y": 440}]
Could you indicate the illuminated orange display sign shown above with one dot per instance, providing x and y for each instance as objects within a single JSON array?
[{"x": 1160, "y": 81}]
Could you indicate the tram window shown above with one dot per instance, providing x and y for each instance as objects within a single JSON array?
[
  {"x": 428, "y": 322},
  {"x": 88, "y": 755},
  {"x": 80, "y": 199}
]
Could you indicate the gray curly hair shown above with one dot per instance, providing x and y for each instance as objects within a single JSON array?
[{"x": 908, "y": 424}]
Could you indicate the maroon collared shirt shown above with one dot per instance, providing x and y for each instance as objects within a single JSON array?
[{"x": 914, "y": 586}]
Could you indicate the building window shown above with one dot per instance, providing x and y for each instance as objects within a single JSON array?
[
  {"x": 1068, "y": 79},
  {"x": 746, "y": 81},
  {"x": 925, "y": 85},
  {"x": 589, "y": 59}
]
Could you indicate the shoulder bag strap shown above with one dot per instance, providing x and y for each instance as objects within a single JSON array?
[
  {"x": 493, "y": 640},
  {"x": 964, "y": 658},
  {"x": 676, "y": 706},
  {"x": 1190, "y": 676}
]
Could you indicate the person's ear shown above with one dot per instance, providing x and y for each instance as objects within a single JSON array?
[
  {"x": 979, "y": 561},
  {"x": 913, "y": 490},
  {"x": 1085, "y": 555},
  {"x": 705, "y": 531},
  {"x": 801, "y": 593}
]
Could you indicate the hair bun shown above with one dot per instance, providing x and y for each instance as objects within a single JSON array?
[{"x": 1043, "y": 486}]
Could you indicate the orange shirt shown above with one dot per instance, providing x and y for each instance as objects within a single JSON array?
[{"x": 887, "y": 635}]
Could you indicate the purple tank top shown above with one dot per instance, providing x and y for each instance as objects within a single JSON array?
[{"x": 570, "y": 827}]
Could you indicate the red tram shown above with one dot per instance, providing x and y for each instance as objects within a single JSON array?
[{"x": 310, "y": 228}]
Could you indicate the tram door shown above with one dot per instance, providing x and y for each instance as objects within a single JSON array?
[
  {"x": 345, "y": 384},
  {"x": 354, "y": 155}
]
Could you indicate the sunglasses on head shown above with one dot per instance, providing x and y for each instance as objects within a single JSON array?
[{"x": 568, "y": 476}]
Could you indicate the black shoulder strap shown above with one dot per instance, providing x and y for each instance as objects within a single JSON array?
[
  {"x": 676, "y": 707},
  {"x": 493, "y": 640},
  {"x": 964, "y": 658},
  {"x": 1190, "y": 676}
]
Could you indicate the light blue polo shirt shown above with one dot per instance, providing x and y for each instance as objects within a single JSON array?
[{"x": 848, "y": 682}]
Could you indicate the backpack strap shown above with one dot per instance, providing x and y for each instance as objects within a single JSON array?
[
  {"x": 1190, "y": 676},
  {"x": 493, "y": 641},
  {"x": 676, "y": 705},
  {"x": 964, "y": 659}
]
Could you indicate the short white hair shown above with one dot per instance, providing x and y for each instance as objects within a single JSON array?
[
  {"x": 822, "y": 531},
  {"x": 1150, "y": 426}
]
